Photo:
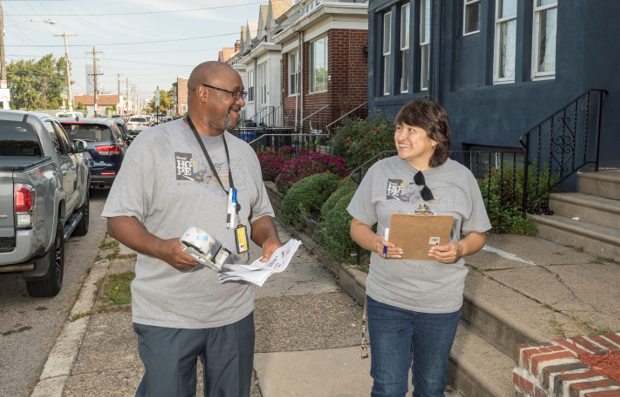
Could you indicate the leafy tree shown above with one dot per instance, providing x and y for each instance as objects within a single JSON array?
[
  {"x": 37, "y": 84},
  {"x": 165, "y": 102}
]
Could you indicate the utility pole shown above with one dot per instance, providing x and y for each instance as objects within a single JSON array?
[
  {"x": 5, "y": 105},
  {"x": 118, "y": 79},
  {"x": 69, "y": 93},
  {"x": 127, "y": 91},
  {"x": 95, "y": 74}
]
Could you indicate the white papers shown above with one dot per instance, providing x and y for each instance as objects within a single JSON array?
[{"x": 258, "y": 271}]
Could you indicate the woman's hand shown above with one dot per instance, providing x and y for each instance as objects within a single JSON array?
[
  {"x": 451, "y": 252},
  {"x": 385, "y": 249},
  {"x": 448, "y": 253},
  {"x": 367, "y": 239}
]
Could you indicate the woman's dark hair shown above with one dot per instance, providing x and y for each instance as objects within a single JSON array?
[{"x": 431, "y": 117}]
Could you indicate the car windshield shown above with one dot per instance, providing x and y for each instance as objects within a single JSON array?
[
  {"x": 18, "y": 139},
  {"x": 88, "y": 132},
  {"x": 137, "y": 120}
]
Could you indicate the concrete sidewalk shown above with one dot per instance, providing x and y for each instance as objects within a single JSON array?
[{"x": 308, "y": 331}]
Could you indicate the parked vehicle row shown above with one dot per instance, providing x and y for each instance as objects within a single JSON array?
[{"x": 44, "y": 184}]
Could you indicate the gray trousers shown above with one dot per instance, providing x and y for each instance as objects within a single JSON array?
[{"x": 169, "y": 357}]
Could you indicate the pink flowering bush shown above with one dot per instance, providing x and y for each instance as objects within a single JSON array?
[
  {"x": 358, "y": 141},
  {"x": 302, "y": 166},
  {"x": 271, "y": 165}
]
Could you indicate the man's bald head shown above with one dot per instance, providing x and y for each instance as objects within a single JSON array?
[{"x": 209, "y": 73}]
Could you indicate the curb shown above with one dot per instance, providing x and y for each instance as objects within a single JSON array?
[{"x": 64, "y": 353}]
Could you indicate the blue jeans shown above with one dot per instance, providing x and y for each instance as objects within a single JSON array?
[
  {"x": 169, "y": 357},
  {"x": 401, "y": 339}
]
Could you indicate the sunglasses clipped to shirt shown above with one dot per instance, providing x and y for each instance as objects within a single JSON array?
[{"x": 426, "y": 193}]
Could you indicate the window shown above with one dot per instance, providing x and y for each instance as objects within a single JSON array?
[
  {"x": 545, "y": 29},
  {"x": 505, "y": 40},
  {"x": 60, "y": 150},
  {"x": 387, "y": 45},
  {"x": 319, "y": 65},
  {"x": 404, "y": 48},
  {"x": 471, "y": 17},
  {"x": 262, "y": 83},
  {"x": 292, "y": 74},
  {"x": 251, "y": 86},
  {"x": 425, "y": 42}
]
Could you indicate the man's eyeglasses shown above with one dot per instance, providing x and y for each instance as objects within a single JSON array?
[
  {"x": 235, "y": 94},
  {"x": 426, "y": 192}
]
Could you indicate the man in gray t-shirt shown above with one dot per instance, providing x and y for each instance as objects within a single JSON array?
[{"x": 167, "y": 184}]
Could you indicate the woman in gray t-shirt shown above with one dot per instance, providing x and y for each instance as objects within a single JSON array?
[{"x": 414, "y": 305}]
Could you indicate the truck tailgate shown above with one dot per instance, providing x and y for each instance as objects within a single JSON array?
[{"x": 7, "y": 217}]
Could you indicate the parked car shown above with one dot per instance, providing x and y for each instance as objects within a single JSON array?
[
  {"x": 70, "y": 115},
  {"x": 136, "y": 125},
  {"x": 106, "y": 148},
  {"x": 43, "y": 198},
  {"x": 122, "y": 125}
]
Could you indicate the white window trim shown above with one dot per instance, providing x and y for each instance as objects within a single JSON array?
[
  {"x": 387, "y": 55},
  {"x": 405, "y": 8},
  {"x": 536, "y": 75},
  {"x": 465, "y": 4},
  {"x": 263, "y": 84},
  {"x": 295, "y": 56},
  {"x": 252, "y": 85},
  {"x": 498, "y": 22},
  {"x": 426, "y": 43},
  {"x": 312, "y": 66}
]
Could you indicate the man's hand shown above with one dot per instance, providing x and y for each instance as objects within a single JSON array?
[
  {"x": 269, "y": 246},
  {"x": 171, "y": 251}
]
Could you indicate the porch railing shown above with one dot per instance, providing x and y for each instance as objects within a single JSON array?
[
  {"x": 290, "y": 144},
  {"x": 315, "y": 122},
  {"x": 559, "y": 146},
  {"x": 271, "y": 116},
  {"x": 360, "y": 112}
]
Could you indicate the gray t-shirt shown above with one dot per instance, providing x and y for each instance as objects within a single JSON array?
[
  {"x": 165, "y": 182},
  {"x": 418, "y": 285}
]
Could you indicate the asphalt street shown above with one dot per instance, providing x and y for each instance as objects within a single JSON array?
[{"x": 29, "y": 326}]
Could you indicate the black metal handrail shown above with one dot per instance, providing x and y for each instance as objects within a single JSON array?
[
  {"x": 316, "y": 121},
  {"x": 559, "y": 146},
  {"x": 346, "y": 115},
  {"x": 301, "y": 143}
]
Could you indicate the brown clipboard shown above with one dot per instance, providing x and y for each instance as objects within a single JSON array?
[{"x": 416, "y": 234}]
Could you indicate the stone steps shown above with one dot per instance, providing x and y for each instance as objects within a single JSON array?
[
  {"x": 588, "y": 208},
  {"x": 600, "y": 240},
  {"x": 604, "y": 183},
  {"x": 588, "y": 219}
]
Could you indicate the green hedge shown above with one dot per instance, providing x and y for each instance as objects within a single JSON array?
[{"x": 307, "y": 196}]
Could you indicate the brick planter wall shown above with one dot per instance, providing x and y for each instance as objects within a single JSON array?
[{"x": 553, "y": 369}]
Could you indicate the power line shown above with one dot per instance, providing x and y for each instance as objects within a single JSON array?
[
  {"x": 151, "y": 12},
  {"x": 137, "y": 42}
]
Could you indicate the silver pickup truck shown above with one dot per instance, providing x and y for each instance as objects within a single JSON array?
[{"x": 44, "y": 185}]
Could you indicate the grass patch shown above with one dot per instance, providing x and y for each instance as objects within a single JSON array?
[
  {"x": 117, "y": 289},
  {"x": 597, "y": 261},
  {"x": 108, "y": 245}
]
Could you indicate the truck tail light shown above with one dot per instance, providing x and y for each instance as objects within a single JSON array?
[
  {"x": 24, "y": 199},
  {"x": 108, "y": 173},
  {"x": 146, "y": 124},
  {"x": 109, "y": 150}
]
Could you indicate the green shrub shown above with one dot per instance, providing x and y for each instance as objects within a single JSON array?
[
  {"x": 358, "y": 141},
  {"x": 343, "y": 189},
  {"x": 503, "y": 192},
  {"x": 307, "y": 196},
  {"x": 335, "y": 231}
]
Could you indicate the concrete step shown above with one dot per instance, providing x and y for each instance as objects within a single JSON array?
[
  {"x": 588, "y": 208},
  {"x": 599, "y": 240},
  {"x": 477, "y": 368},
  {"x": 603, "y": 183}
]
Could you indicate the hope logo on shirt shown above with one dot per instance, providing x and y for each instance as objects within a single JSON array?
[
  {"x": 184, "y": 165},
  {"x": 394, "y": 188}
]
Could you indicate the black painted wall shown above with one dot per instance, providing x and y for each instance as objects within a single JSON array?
[{"x": 481, "y": 113}]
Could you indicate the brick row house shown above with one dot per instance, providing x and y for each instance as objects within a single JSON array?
[{"x": 306, "y": 64}]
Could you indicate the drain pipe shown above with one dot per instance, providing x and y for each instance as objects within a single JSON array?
[{"x": 301, "y": 73}]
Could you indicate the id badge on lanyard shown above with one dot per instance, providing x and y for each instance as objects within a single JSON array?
[{"x": 234, "y": 222}]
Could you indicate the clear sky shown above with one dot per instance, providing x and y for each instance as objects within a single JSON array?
[{"x": 149, "y": 42}]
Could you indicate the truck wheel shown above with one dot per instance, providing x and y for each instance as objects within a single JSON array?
[
  {"x": 56, "y": 257},
  {"x": 82, "y": 228}
]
